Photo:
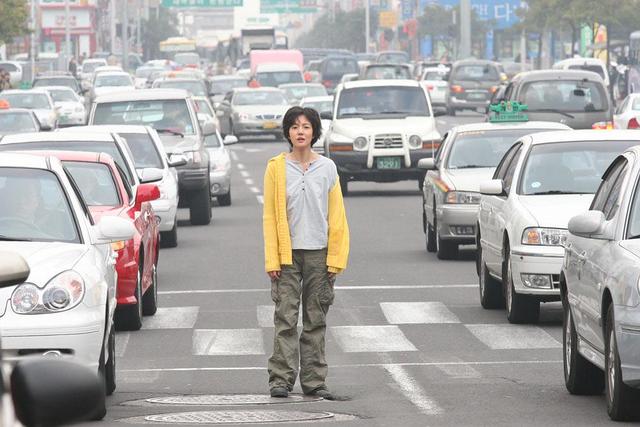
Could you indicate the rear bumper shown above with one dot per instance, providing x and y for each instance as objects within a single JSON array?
[{"x": 457, "y": 222}]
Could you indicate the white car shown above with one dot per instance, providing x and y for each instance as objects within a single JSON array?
[
  {"x": 379, "y": 131},
  {"x": 436, "y": 81},
  {"x": 627, "y": 115},
  {"x": 88, "y": 67},
  {"x": 37, "y": 100},
  {"x": 66, "y": 306},
  {"x": 220, "y": 166},
  {"x": 541, "y": 182},
  {"x": 69, "y": 106},
  {"x": 595, "y": 65},
  {"x": 150, "y": 157},
  {"x": 324, "y": 106},
  {"x": 110, "y": 82},
  {"x": 600, "y": 292}
]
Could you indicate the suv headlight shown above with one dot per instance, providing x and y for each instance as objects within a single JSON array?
[
  {"x": 360, "y": 143},
  {"x": 415, "y": 142},
  {"x": 544, "y": 236},
  {"x": 462, "y": 198},
  {"x": 63, "y": 292},
  {"x": 221, "y": 164},
  {"x": 244, "y": 116},
  {"x": 193, "y": 157}
]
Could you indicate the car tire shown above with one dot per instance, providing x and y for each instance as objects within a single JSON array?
[
  {"x": 150, "y": 298},
  {"x": 622, "y": 404},
  {"x": 520, "y": 308},
  {"x": 169, "y": 239},
  {"x": 445, "y": 249},
  {"x": 430, "y": 237},
  {"x": 225, "y": 199},
  {"x": 451, "y": 111},
  {"x": 344, "y": 185},
  {"x": 581, "y": 377},
  {"x": 129, "y": 318},
  {"x": 491, "y": 295},
  {"x": 110, "y": 365},
  {"x": 200, "y": 206}
]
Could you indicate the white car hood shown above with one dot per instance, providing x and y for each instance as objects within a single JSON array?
[
  {"x": 355, "y": 127},
  {"x": 173, "y": 143},
  {"x": 68, "y": 105},
  {"x": 261, "y": 109},
  {"x": 555, "y": 211},
  {"x": 103, "y": 90},
  {"x": 468, "y": 179}
]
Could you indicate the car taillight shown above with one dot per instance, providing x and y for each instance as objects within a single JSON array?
[
  {"x": 429, "y": 87},
  {"x": 493, "y": 89},
  {"x": 633, "y": 124},
  {"x": 457, "y": 89},
  {"x": 327, "y": 83},
  {"x": 602, "y": 125}
]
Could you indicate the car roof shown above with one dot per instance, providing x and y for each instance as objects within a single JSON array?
[
  {"x": 109, "y": 129},
  {"x": 25, "y": 91},
  {"x": 511, "y": 125},
  {"x": 53, "y": 87},
  {"x": 380, "y": 83},
  {"x": 286, "y": 85},
  {"x": 57, "y": 136},
  {"x": 556, "y": 75},
  {"x": 144, "y": 95},
  {"x": 257, "y": 89},
  {"x": 23, "y": 160},
  {"x": 71, "y": 156},
  {"x": 583, "y": 135},
  {"x": 17, "y": 110},
  {"x": 578, "y": 61},
  {"x": 324, "y": 98},
  {"x": 227, "y": 77}
]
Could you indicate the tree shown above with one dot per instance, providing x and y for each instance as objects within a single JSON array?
[
  {"x": 13, "y": 19},
  {"x": 155, "y": 30},
  {"x": 346, "y": 31}
]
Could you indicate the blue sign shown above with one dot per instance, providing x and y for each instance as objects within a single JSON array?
[
  {"x": 407, "y": 9},
  {"x": 488, "y": 53},
  {"x": 503, "y": 12},
  {"x": 426, "y": 47}
]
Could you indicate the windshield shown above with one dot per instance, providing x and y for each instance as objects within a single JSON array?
[
  {"x": 340, "y": 66},
  {"x": 187, "y": 58},
  {"x": 195, "y": 87},
  {"x": 387, "y": 72},
  {"x": 565, "y": 95},
  {"x": 27, "y": 100},
  {"x": 319, "y": 106},
  {"x": 145, "y": 154},
  {"x": 224, "y": 86},
  {"x": 483, "y": 149},
  {"x": 35, "y": 207},
  {"x": 90, "y": 67},
  {"x": 16, "y": 123},
  {"x": 204, "y": 107},
  {"x": 382, "y": 101},
  {"x": 259, "y": 97},
  {"x": 171, "y": 114},
  {"x": 277, "y": 78},
  {"x": 299, "y": 92},
  {"x": 393, "y": 58},
  {"x": 53, "y": 81},
  {"x": 570, "y": 167},
  {"x": 476, "y": 72},
  {"x": 119, "y": 80},
  {"x": 435, "y": 75},
  {"x": 8, "y": 67},
  {"x": 95, "y": 182},
  {"x": 636, "y": 104},
  {"x": 593, "y": 68},
  {"x": 60, "y": 95},
  {"x": 145, "y": 72}
]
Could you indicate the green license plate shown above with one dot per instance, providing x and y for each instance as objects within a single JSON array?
[{"x": 388, "y": 162}]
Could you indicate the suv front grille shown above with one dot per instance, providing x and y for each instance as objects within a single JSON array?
[
  {"x": 555, "y": 280},
  {"x": 268, "y": 116},
  {"x": 392, "y": 140}
]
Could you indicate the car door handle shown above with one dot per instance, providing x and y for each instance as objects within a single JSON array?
[{"x": 582, "y": 257}]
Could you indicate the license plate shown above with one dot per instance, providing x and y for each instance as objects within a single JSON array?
[
  {"x": 269, "y": 125},
  {"x": 388, "y": 162},
  {"x": 479, "y": 96}
]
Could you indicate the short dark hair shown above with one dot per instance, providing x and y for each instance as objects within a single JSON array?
[{"x": 293, "y": 113}]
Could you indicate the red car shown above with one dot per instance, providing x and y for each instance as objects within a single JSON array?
[{"x": 106, "y": 193}]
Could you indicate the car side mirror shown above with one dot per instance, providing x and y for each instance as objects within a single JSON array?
[
  {"x": 49, "y": 392},
  {"x": 112, "y": 229},
  {"x": 209, "y": 128},
  {"x": 427, "y": 164},
  {"x": 13, "y": 269},
  {"x": 45, "y": 127},
  {"x": 146, "y": 193},
  {"x": 230, "y": 140},
  {"x": 439, "y": 113},
  {"x": 326, "y": 115},
  {"x": 587, "y": 224},
  {"x": 176, "y": 160},
  {"x": 492, "y": 187},
  {"x": 150, "y": 175}
]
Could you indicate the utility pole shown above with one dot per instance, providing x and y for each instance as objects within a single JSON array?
[
  {"x": 112, "y": 25},
  {"x": 34, "y": 29},
  {"x": 367, "y": 24},
  {"x": 67, "y": 33},
  {"x": 523, "y": 50},
  {"x": 465, "y": 29},
  {"x": 138, "y": 24},
  {"x": 125, "y": 35}
]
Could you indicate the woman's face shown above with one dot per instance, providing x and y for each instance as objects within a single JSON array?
[{"x": 301, "y": 133}]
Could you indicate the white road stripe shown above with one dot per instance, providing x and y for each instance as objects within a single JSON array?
[
  {"x": 143, "y": 377},
  {"x": 240, "y": 166},
  {"x": 172, "y": 318},
  {"x": 265, "y": 316},
  {"x": 357, "y": 365},
  {"x": 234, "y": 156},
  {"x": 398, "y": 313},
  {"x": 254, "y": 190},
  {"x": 255, "y": 150},
  {"x": 338, "y": 288},
  {"x": 248, "y": 181},
  {"x": 260, "y": 199},
  {"x": 510, "y": 337},
  {"x": 122, "y": 340},
  {"x": 227, "y": 342},
  {"x": 244, "y": 174},
  {"x": 375, "y": 339},
  {"x": 464, "y": 371},
  {"x": 412, "y": 390}
]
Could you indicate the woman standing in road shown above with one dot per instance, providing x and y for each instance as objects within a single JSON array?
[{"x": 306, "y": 240}]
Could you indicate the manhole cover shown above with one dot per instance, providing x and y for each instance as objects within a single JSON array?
[
  {"x": 236, "y": 417},
  {"x": 228, "y": 399}
]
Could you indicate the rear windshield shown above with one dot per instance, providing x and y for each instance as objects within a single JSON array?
[
  {"x": 224, "y": 86},
  {"x": 476, "y": 72},
  {"x": 96, "y": 183},
  {"x": 56, "y": 81},
  {"x": 90, "y": 67},
  {"x": 195, "y": 87},
  {"x": 9, "y": 67},
  {"x": 565, "y": 95},
  {"x": 387, "y": 72},
  {"x": 60, "y": 95},
  {"x": 435, "y": 75},
  {"x": 340, "y": 66},
  {"x": 145, "y": 153},
  {"x": 277, "y": 78},
  {"x": 32, "y": 101},
  {"x": 393, "y": 57},
  {"x": 16, "y": 122},
  {"x": 593, "y": 68}
]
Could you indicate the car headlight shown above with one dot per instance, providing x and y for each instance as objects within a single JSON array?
[
  {"x": 244, "y": 116},
  {"x": 221, "y": 164},
  {"x": 63, "y": 292},
  {"x": 544, "y": 236},
  {"x": 415, "y": 142},
  {"x": 360, "y": 143},
  {"x": 193, "y": 156},
  {"x": 462, "y": 198}
]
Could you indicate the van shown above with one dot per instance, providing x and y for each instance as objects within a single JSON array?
[
  {"x": 472, "y": 82},
  {"x": 586, "y": 64},
  {"x": 278, "y": 74},
  {"x": 333, "y": 67}
]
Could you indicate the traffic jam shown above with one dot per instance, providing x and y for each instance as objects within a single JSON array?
[{"x": 106, "y": 170}]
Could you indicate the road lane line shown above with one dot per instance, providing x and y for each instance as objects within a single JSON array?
[
  {"x": 244, "y": 174},
  {"x": 265, "y": 316},
  {"x": 400, "y": 313},
  {"x": 227, "y": 342},
  {"x": 122, "y": 340},
  {"x": 338, "y": 288},
  {"x": 234, "y": 156},
  {"x": 240, "y": 166},
  {"x": 260, "y": 199},
  {"x": 172, "y": 318},
  {"x": 412, "y": 390},
  {"x": 254, "y": 190},
  {"x": 513, "y": 337},
  {"x": 355, "y": 365},
  {"x": 248, "y": 181},
  {"x": 372, "y": 339},
  {"x": 463, "y": 371}
]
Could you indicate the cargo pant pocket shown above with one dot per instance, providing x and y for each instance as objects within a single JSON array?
[
  {"x": 274, "y": 291},
  {"x": 326, "y": 294}
]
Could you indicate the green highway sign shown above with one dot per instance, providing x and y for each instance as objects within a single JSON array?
[
  {"x": 288, "y": 6},
  {"x": 201, "y": 3}
]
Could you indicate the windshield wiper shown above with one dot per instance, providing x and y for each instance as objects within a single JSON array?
[
  {"x": 13, "y": 239},
  {"x": 637, "y": 236},
  {"x": 394, "y": 112},
  {"x": 542, "y": 193},
  {"x": 350, "y": 115},
  {"x": 473, "y": 166},
  {"x": 552, "y": 110},
  {"x": 170, "y": 131}
]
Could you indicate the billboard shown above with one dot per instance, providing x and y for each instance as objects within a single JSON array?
[
  {"x": 201, "y": 3},
  {"x": 502, "y": 12}
]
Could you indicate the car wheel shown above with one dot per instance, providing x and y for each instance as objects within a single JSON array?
[
  {"x": 129, "y": 318},
  {"x": 580, "y": 376},
  {"x": 491, "y": 296},
  {"x": 225, "y": 200},
  {"x": 169, "y": 239},
  {"x": 621, "y": 399},
  {"x": 344, "y": 185},
  {"x": 150, "y": 298},
  {"x": 520, "y": 308},
  {"x": 200, "y": 206},
  {"x": 110, "y": 366},
  {"x": 430, "y": 236},
  {"x": 445, "y": 249},
  {"x": 451, "y": 111}
]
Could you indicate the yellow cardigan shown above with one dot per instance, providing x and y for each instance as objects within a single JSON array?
[{"x": 277, "y": 240}]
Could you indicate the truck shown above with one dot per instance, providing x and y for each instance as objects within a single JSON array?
[{"x": 253, "y": 38}]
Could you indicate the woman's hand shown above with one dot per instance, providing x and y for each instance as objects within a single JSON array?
[
  {"x": 332, "y": 277},
  {"x": 274, "y": 275}
]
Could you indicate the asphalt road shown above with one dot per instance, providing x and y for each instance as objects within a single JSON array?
[{"x": 407, "y": 343}]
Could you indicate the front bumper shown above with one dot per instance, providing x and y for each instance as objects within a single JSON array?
[
  {"x": 457, "y": 222},
  {"x": 75, "y": 119},
  {"x": 258, "y": 127},
  {"x": 539, "y": 260},
  {"x": 220, "y": 182},
  {"x": 190, "y": 179},
  {"x": 354, "y": 165},
  {"x": 627, "y": 326},
  {"x": 166, "y": 210}
]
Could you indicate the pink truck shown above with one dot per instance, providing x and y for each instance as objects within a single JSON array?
[{"x": 275, "y": 56}]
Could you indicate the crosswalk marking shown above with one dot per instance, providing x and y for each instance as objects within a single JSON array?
[
  {"x": 513, "y": 337},
  {"x": 265, "y": 316},
  {"x": 412, "y": 390},
  {"x": 459, "y": 371},
  {"x": 139, "y": 377},
  {"x": 358, "y": 339},
  {"x": 398, "y": 313},
  {"x": 227, "y": 342},
  {"x": 172, "y": 318},
  {"x": 122, "y": 340}
]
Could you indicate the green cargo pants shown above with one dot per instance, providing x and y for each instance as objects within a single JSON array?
[{"x": 308, "y": 278}]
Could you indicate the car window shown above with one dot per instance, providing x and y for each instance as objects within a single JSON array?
[
  {"x": 384, "y": 101},
  {"x": 258, "y": 97},
  {"x": 204, "y": 107},
  {"x": 54, "y": 81},
  {"x": 8, "y": 67},
  {"x": 277, "y": 78},
  {"x": 511, "y": 170},
  {"x": 598, "y": 69},
  {"x": 504, "y": 163},
  {"x": 564, "y": 95},
  {"x": 387, "y": 72},
  {"x": 196, "y": 88},
  {"x": 622, "y": 106},
  {"x": 38, "y": 101},
  {"x": 106, "y": 80},
  {"x": 319, "y": 106},
  {"x": 636, "y": 104},
  {"x": 60, "y": 95},
  {"x": 475, "y": 72},
  {"x": 212, "y": 141},
  {"x": 17, "y": 122},
  {"x": 340, "y": 66},
  {"x": 440, "y": 150},
  {"x": 96, "y": 183},
  {"x": 435, "y": 75},
  {"x": 612, "y": 203},
  {"x": 608, "y": 180},
  {"x": 224, "y": 86},
  {"x": 144, "y": 151}
]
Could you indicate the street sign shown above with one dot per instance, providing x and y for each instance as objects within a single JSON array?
[
  {"x": 288, "y": 6},
  {"x": 201, "y": 3},
  {"x": 407, "y": 9},
  {"x": 388, "y": 19},
  {"x": 501, "y": 12}
]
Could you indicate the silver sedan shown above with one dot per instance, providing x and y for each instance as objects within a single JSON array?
[
  {"x": 248, "y": 111},
  {"x": 220, "y": 166}
]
